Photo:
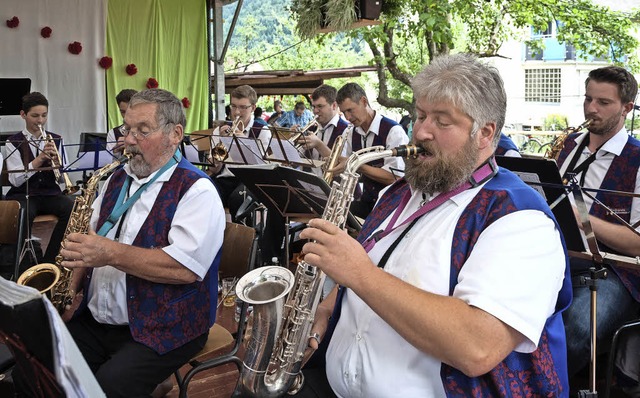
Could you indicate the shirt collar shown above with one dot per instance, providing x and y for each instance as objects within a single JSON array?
[
  {"x": 333, "y": 122},
  {"x": 374, "y": 127},
  {"x": 614, "y": 144}
]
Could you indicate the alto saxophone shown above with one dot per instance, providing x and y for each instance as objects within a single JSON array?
[
  {"x": 558, "y": 144},
  {"x": 281, "y": 326},
  {"x": 54, "y": 280}
]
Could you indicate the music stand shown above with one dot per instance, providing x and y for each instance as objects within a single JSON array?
[
  {"x": 283, "y": 150},
  {"x": 11, "y": 92},
  {"x": 54, "y": 363},
  {"x": 291, "y": 193},
  {"x": 544, "y": 176}
]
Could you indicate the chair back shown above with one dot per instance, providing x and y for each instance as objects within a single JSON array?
[
  {"x": 9, "y": 222},
  {"x": 238, "y": 250},
  {"x": 11, "y": 230}
]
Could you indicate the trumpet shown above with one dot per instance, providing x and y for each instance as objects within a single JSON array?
[
  {"x": 236, "y": 127},
  {"x": 303, "y": 131},
  {"x": 56, "y": 164}
]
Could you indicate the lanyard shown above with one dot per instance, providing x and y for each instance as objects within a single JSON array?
[
  {"x": 123, "y": 205},
  {"x": 480, "y": 176}
]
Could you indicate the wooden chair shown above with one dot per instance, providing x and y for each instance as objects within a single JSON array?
[
  {"x": 11, "y": 229},
  {"x": 238, "y": 257}
]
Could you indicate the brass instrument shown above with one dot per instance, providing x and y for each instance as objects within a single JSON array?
[
  {"x": 303, "y": 131},
  {"x": 54, "y": 280},
  {"x": 334, "y": 157},
  {"x": 218, "y": 151},
  {"x": 236, "y": 127},
  {"x": 56, "y": 164},
  {"x": 558, "y": 144},
  {"x": 281, "y": 327}
]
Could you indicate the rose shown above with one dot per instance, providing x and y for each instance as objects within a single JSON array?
[
  {"x": 13, "y": 22},
  {"x": 186, "y": 103},
  {"x": 45, "y": 32},
  {"x": 131, "y": 69},
  {"x": 75, "y": 47},
  {"x": 152, "y": 83},
  {"x": 105, "y": 62}
]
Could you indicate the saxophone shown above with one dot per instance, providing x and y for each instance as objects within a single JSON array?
[
  {"x": 54, "y": 280},
  {"x": 281, "y": 326},
  {"x": 334, "y": 157},
  {"x": 558, "y": 144}
]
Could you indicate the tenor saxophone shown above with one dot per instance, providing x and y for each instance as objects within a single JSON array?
[
  {"x": 281, "y": 327},
  {"x": 54, "y": 280}
]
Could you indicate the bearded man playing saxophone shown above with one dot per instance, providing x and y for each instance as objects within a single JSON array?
[{"x": 465, "y": 301}]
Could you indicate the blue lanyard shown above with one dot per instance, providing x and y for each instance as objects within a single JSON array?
[{"x": 123, "y": 205}]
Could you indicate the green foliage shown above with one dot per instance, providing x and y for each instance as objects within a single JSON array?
[
  {"x": 555, "y": 122},
  {"x": 636, "y": 124},
  {"x": 415, "y": 31}
]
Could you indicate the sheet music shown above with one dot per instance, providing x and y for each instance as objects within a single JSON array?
[
  {"x": 71, "y": 370},
  {"x": 289, "y": 153},
  {"x": 242, "y": 150}
]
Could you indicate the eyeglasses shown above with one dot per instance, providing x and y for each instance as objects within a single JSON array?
[
  {"x": 138, "y": 135},
  {"x": 241, "y": 107}
]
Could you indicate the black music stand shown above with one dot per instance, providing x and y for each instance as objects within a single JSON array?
[
  {"x": 294, "y": 194},
  {"x": 11, "y": 92},
  {"x": 544, "y": 176}
]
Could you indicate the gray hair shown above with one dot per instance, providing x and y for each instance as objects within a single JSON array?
[
  {"x": 169, "y": 110},
  {"x": 469, "y": 85},
  {"x": 351, "y": 91}
]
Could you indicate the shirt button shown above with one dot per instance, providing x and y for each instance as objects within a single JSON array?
[
  {"x": 346, "y": 374},
  {"x": 358, "y": 337}
]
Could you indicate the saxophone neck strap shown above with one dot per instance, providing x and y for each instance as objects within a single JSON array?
[
  {"x": 482, "y": 174},
  {"x": 123, "y": 204},
  {"x": 584, "y": 166}
]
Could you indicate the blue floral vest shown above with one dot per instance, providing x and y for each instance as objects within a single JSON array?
[
  {"x": 165, "y": 316},
  {"x": 542, "y": 373},
  {"x": 621, "y": 176}
]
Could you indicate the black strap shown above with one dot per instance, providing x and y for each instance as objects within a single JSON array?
[
  {"x": 584, "y": 166},
  {"x": 387, "y": 254}
]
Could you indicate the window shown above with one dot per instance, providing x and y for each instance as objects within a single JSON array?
[{"x": 542, "y": 85}]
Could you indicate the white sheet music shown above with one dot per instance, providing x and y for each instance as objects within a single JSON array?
[
  {"x": 72, "y": 372},
  {"x": 238, "y": 147},
  {"x": 289, "y": 153}
]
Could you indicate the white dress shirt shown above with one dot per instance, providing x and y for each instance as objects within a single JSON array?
[
  {"x": 396, "y": 137},
  {"x": 517, "y": 282},
  {"x": 14, "y": 157},
  {"x": 195, "y": 238}
]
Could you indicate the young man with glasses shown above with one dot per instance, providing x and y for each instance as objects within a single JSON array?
[
  {"x": 115, "y": 140},
  {"x": 243, "y": 104},
  {"x": 325, "y": 107}
]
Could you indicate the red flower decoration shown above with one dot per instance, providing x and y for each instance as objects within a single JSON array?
[
  {"x": 45, "y": 32},
  {"x": 186, "y": 103},
  {"x": 152, "y": 83},
  {"x": 131, "y": 69},
  {"x": 13, "y": 22},
  {"x": 105, "y": 62},
  {"x": 75, "y": 47}
]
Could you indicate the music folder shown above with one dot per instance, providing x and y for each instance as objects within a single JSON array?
[
  {"x": 543, "y": 176},
  {"x": 37, "y": 331},
  {"x": 290, "y": 192}
]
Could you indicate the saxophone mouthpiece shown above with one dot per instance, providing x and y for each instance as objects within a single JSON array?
[{"x": 407, "y": 151}]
